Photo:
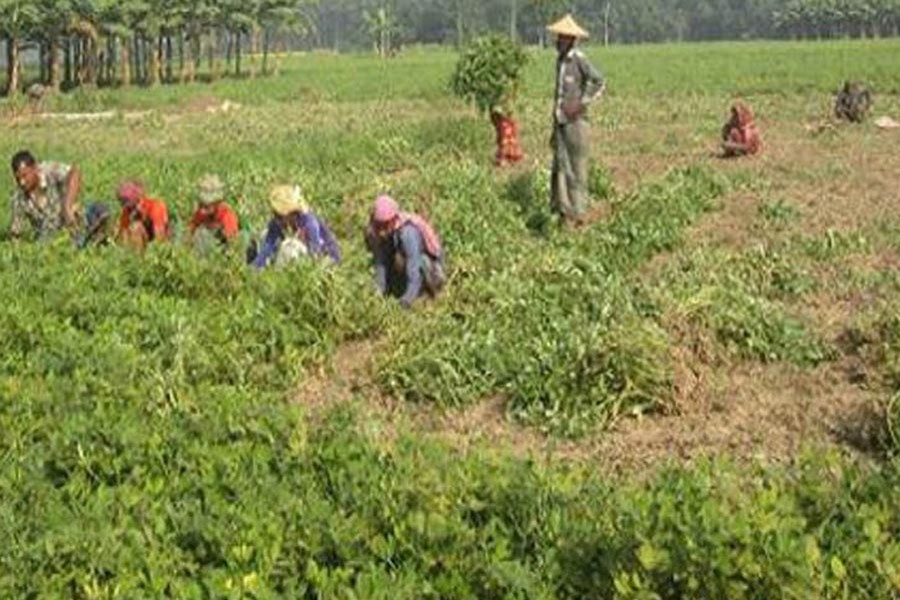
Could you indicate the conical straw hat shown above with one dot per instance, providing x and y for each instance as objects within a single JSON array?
[{"x": 568, "y": 26}]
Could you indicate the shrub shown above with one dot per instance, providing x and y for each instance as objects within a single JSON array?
[{"x": 488, "y": 73}]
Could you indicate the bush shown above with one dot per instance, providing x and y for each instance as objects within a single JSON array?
[{"x": 488, "y": 73}]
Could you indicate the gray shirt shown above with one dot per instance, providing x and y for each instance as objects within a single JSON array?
[{"x": 576, "y": 79}]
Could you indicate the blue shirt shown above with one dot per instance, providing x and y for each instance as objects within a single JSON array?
[
  {"x": 409, "y": 242},
  {"x": 319, "y": 240}
]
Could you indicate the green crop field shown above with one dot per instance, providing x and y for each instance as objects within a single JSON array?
[{"x": 693, "y": 397}]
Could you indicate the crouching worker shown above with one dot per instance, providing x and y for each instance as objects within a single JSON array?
[
  {"x": 143, "y": 219},
  {"x": 853, "y": 103},
  {"x": 740, "y": 136},
  {"x": 406, "y": 252},
  {"x": 293, "y": 231},
  {"x": 213, "y": 214},
  {"x": 97, "y": 226},
  {"x": 46, "y": 198}
]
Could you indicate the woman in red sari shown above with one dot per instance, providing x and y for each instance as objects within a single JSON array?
[{"x": 740, "y": 136}]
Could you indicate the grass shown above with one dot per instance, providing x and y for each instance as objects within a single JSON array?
[{"x": 152, "y": 443}]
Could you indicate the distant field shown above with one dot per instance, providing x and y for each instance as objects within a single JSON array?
[{"x": 693, "y": 397}]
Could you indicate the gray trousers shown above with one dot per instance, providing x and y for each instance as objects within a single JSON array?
[{"x": 569, "y": 180}]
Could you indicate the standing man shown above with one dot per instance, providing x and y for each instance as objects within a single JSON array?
[
  {"x": 46, "y": 198},
  {"x": 578, "y": 84}
]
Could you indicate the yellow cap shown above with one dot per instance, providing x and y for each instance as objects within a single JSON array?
[{"x": 287, "y": 199}]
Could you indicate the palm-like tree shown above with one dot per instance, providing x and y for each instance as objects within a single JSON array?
[{"x": 18, "y": 20}]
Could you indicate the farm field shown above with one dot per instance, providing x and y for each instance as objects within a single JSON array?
[{"x": 695, "y": 396}]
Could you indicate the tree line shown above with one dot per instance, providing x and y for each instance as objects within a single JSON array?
[
  {"x": 349, "y": 24},
  {"x": 122, "y": 42}
]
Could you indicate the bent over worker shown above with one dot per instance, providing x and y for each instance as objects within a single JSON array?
[
  {"x": 213, "y": 214},
  {"x": 293, "y": 231},
  {"x": 853, "y": 102},
  {"x": 143, "y": 219},
  {"x": 406, "y": 251},
  {"x": 578, "y": 84},
  {"x": 46, "y": 196},
  {"x": 96, "y": 226}
]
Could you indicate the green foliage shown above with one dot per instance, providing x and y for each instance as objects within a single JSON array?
[
  {"x": 879, "y": 343},
  {"x": 741, "y": 299},
  {"x": 554, "y": 328},
  {"x": 488, "y": 73},
  {"x": 232, "y": 499},
  {"x": 600, "y": 183},
  {"x": 778, "y": 213},
  {"x": 893, "y": 422},
  {"x": 754, "y": 328}
]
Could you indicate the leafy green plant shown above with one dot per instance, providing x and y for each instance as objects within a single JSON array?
[
  {"x": 489, "y": 72},
  {"x": 600, "y": 183},
  {"x": 778, "y": 212}
]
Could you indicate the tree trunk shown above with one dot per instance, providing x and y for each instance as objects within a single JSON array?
[
  {"x": 140, "y": 58},
  {"x": 67, "y": 58},
  {"x": 13, "y": 69},
  {"x": 459, "y": 24},
  {"x": 229, "y": 49},
  {"x": 215, "y": 50},
  {"x": 170, "y": 58},
  {"x": 55, "y": 74},
  {"x": 91, "y": 61},
  {"x": 43, "y": 75},
  {"x": 186, "y": 63},
  {"x": 197, "y": 51},
  {"x": 101, "y": 66},
  {"x": 237, "y": 53},
  {"x": 154, "y": 76},
  {"x": 124, "y": 63},
  {"x": 606, "y": 23},
  {"x": 514, "y": 20},
  {"x": 182, "y": 63},
  {"x": 212, "y": 50},
  {"x": 254, "y": 52},
  {"x": 79, "y": 61},
  {"x": 265, "y": 59},
  {"x": 276, "y": 60},
  {"x": 111, "y": 50}
]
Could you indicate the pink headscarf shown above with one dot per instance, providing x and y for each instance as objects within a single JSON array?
[
  {"x": 131, "y": 192},
  {"x": 387, "y": 210}
]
